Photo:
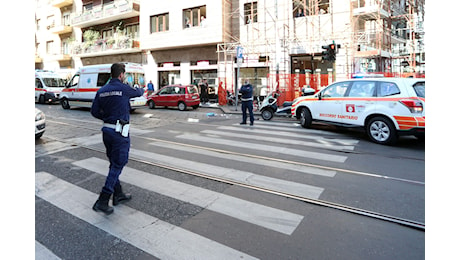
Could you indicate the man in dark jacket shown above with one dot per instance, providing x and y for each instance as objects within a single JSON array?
[
  {"x": 111, "y": 105},
  {"x": 246, "y": 102}
]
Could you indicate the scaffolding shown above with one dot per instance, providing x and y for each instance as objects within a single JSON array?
[{"x": 376, "y": 36}]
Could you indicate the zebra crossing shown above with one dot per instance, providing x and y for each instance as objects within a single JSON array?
[{"x": 167, "y": 241}]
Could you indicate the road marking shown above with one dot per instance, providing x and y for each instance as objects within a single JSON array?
[
  {"x": 245, "y": 159},
  {"x": 43, "y": 253},
  {"x": 248, "y": 178},
  {"x": 156, "y": 237},
  {"x": 287, "y": 127},
  {"x": 271, "y": 218},
  {"x": 321, "y": 143},
  {"x": 262, "y": 147},
  {"x": 277, "y": 131}
]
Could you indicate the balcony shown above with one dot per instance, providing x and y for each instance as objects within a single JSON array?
[
  {"x": 61, "y": 29},
  {"x": 371, "y": 9},
  {"x": 118, "y": 10},
  {"x": 61, "y": 3},
  {"x": 118, "y": 45}
]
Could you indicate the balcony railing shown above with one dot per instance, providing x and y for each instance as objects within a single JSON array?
[
  {"x": 102, "y": 47},
  {"x": 119, "y": 9}
]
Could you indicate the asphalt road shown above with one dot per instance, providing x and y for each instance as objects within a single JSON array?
[{"x": 205, "y": 187}]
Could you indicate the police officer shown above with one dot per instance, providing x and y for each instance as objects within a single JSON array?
[
  {"x": 246, "y": 102},
  {"x": 111, "y": 105}
]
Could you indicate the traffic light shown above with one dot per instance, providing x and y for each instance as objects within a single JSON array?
[
  {"x": 330, "y": 51},
  {"x": 326, "y": 54}
]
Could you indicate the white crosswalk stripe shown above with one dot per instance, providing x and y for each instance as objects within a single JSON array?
[
  {"x": 245, "y": 159},
  {"x": 150, "y": 234},
  {"x": 249, "y": 178},
  {"x": 321, "y": 143},
  {"x": 264, "y": 147},
  {"x": 283, "y": 131},
  {"x": 278, "y": 220}
]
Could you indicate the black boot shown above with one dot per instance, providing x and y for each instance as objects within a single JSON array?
[
  {"x": 119, "y": 196},
  {"x": 102, "y": 203}
]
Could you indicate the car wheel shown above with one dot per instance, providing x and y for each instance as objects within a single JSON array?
[
  {"x": 267, "y": 114},
  {"x": 381, "y": 130},
  {"x": 182, "y": 106},
  {"x": 41, "y": 99},
  {"x": 305, "y": 117},
  {"x": 151, "y": 104},
  {"x": 65, "y": 103}
]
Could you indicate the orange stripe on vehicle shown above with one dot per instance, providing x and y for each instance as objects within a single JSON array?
[{"x": 409, "y": 122}]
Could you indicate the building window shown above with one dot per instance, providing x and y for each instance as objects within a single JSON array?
[
  {"x": 302, "y": 8},
  {"x": 159, "y": 23},
  {"x": 132, "y": 31},
  {"x": 250, "y": 13},
  {"x": 66, "y": 19},
  {"x": 49, "y": 47},
  {"x": 87, "y": 7},
  {"x": 194, "y": 17}
]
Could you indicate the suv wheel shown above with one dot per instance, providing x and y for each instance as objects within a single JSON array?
[
  {"x": 381, "y": 130},
  {"x": 305, "y": 117}
]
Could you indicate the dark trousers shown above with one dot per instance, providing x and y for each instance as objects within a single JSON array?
[
  {"x": 117, "y": 150},
  {"x": 247, "y": 105}
]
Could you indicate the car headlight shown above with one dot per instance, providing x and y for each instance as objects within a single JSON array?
[{"x": 39, "y": 116}]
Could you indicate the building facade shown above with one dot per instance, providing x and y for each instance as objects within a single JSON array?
[{"x": 183, "y": 42}]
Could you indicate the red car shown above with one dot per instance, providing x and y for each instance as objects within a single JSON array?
[{"x": 175, "y": 95}]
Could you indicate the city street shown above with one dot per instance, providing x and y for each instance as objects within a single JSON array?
[{"x": 205, "y": 187}]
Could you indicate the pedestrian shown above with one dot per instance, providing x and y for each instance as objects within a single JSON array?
[
  {"x": 203, "y": 91},
  {"x": 246, "y": 102},
  {"x": 111, "y": 105},
  {"x": 150, "y": 88}
]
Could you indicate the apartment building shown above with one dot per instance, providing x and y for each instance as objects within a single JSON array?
[
  {"x": 180, "y": 39},
  {"x": 74, "y": 33}
]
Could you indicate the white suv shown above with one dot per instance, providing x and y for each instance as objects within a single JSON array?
[{"x": 385, "y": 107}]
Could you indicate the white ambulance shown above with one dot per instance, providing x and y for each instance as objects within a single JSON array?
[
  {"x": 48, "y": 86},
  {"x": 82, "y": 88},
  {"x": 385, "y": 107}
]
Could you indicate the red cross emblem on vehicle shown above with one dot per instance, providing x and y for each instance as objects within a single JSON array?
[{"x": 350, "y": 108}]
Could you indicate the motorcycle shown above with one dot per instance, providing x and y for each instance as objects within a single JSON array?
[{"x": 269, "y": 108}]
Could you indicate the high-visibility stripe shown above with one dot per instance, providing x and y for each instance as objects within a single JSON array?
[
  {"x": 80, "y": 90},
  {"x": 409, "y": 122}
]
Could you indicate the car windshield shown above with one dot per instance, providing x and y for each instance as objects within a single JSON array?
[
  {"x": 192, "y": 90},
  {"x": 54, "y": 82},
  {"x": 419, "y": 88}
]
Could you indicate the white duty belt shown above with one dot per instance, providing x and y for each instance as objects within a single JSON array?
[{"x": 119, "y": 128}]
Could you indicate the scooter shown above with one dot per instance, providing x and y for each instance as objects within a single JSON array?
[{"x": 269, "y": 108}]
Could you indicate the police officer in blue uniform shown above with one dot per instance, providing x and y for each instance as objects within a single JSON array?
[
  {"x": 111, "y": 105},
  {"x": 246, "y": 102}
]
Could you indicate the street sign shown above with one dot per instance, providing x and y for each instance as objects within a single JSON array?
[{"x": 239, "y": 52}]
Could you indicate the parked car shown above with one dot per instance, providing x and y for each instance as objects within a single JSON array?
[
  {"x": 385, "y": 107},
  {"x": 39, "y": 123},
  {"x": 182, "y": 96}
]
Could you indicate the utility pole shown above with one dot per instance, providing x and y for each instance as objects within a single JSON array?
[{"x": 239, "y": 58}]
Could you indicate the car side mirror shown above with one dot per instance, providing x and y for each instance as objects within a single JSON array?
[{"x": 319, "y": 96}]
